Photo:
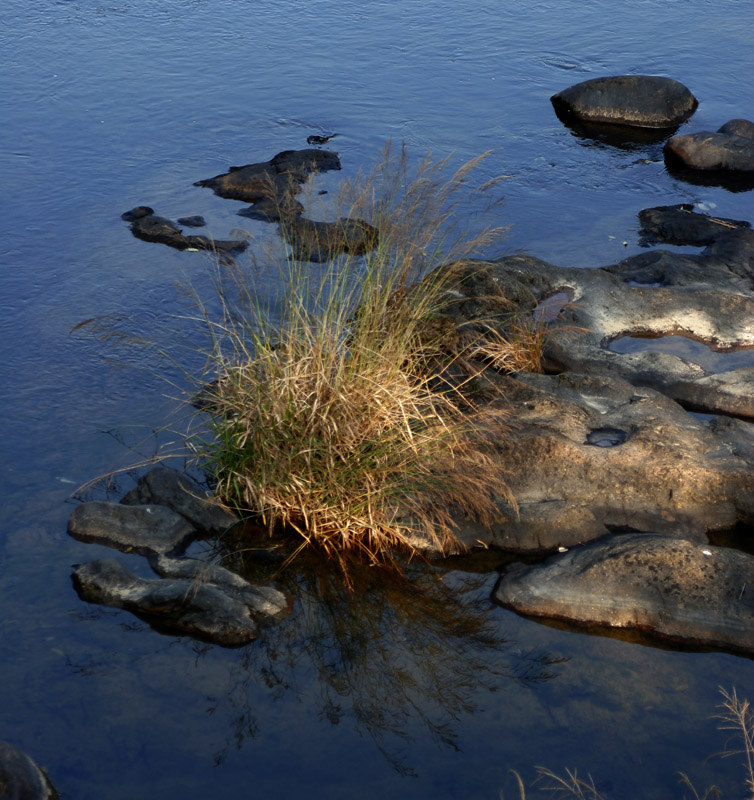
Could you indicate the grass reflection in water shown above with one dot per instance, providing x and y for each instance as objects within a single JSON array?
[{"x": 395, "y": 654}]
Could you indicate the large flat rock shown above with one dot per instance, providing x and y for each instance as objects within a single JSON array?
[
  {"x": 148, "y": 530},
  {"x": 587, "y": 454},
  {"x": 687, "y": 592},
  {"x": 706, "y": 299}
]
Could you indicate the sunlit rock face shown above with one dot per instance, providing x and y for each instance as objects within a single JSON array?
[
  {"x": 687, "y": 592},
  {"x": 729, "y": 149},
  {"x": 605, "y": 441}
]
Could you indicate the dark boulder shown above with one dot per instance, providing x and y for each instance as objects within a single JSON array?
[
  {"x": 729, "y": 149},
  {"x": 681, "y": 225},
  {"x": 21, "y": 778},
  {"x": 683, "y": 591},
  {"x": 192, "y": 222},
  {"x": 636, "y": 100},
  {"x": 274, "y": 180}
]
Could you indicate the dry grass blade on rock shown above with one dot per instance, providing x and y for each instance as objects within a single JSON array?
[{"x": 325, "y": 416}]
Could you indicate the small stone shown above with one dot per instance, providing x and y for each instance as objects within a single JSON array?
[{"x": 192, "y": 222}]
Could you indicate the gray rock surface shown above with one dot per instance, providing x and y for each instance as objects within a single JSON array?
[
  {"x": 148, "y": 530},
  {"x": 192, "y": 597},
  {"x": 168, "y": 487},
  {"x": 21, "y": 778},
  {"x": 263, "y": 600},
  {"x": 705, "y": 298},
  {"x": 190, "y": 606},
  {"x": 687, "y": 592},
  {"x": 639, "y": 100},
  {"x": 665, "y": 471},
  {"x": 729, "y": 149}
]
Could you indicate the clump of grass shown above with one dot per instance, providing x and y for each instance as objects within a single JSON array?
[
  {"x": 518, "y": 346},
  {"x": 327, "y": 417}
]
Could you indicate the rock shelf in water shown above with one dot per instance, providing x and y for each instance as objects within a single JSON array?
[
  {"x": 190, "y": 597},
  {"x": 687, "y": 592},
  {"x": 603, "y": 450},
  {"x": 729, "y": 149}
]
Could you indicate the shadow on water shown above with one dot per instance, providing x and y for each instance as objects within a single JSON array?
[{"x": 397, "y": 655}]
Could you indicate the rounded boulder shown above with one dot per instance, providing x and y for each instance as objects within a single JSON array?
[{"x": 645, "y": 101}]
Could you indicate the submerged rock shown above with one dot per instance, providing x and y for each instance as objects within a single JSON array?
[
  {"x": 687, "y": 592},
  {"x": 273, "y": 180},
  {"x": 636, "y": 100},
  {"x": 21, "y": 778},
  {"x": 149, "y": 227},
  {"x": 148, "y": 529},
  {"x": 729, "y": 149},
  {"x": 321, "y": 241},
  {"x": 190, "y": 606}
]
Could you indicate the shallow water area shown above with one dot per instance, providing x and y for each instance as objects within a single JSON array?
[{"x": 110, "y": 106}]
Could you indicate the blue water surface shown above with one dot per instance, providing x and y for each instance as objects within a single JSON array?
[{"x": 108, "y": 105}]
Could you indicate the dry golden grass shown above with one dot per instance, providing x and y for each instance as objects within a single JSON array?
[{"x": 327, "y": 418}]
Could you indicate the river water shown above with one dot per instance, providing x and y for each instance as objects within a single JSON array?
[{"x": 108, "y": 105}]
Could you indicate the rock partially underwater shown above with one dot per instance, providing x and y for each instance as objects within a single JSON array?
[
  {"x": 21, "y": 778},
  {"x": 322, "y": 241},
  {"x": 150, "y": 227},
  {"x": 203, "y": 605},
  {"x": 687, "y": 592},
  {"x": 271, "y": 188},
  {"x": 190, "y": 597},
  {"x": 644, "y": 101},
  {"x": 729, "y": 149},
  {"x": 275, "y": 179}
]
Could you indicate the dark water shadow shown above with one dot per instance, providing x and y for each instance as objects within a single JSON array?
[
  {"x": 395, "y": 656},
  {"x": 623, "y": 137},
  {"x": 734, "y": 182}
]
